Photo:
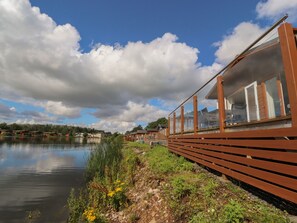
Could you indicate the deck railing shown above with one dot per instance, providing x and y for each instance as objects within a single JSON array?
[{"x": 243, "y": 122}]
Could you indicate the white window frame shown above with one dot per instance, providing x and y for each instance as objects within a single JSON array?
[{"x": 254, "y": 84}]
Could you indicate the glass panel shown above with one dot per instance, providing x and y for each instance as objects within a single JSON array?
[
  {"x": 189, "y": 116},
  {"x": 255, "y": 86},
  {"x": 171, "y": 124},
  {"x": 208, "y": 113},
  {"x": 284, "y": 92},
  {"x": 177, "y": 121},
  {"x": 236, "y": 108},
  {"x": 273, "y": 98}
]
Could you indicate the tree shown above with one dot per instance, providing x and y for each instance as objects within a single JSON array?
[
  {"x": 160, "y": 121},
  {"x": 139, "y": 127},
  {"x": 3, "y": 126}
]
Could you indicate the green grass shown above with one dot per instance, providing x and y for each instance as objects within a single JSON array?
[
  {"x": 194, "y": 195},
  {"x": 163, "y": 163},
  {"x": 104, "y": 186},
  {"x": 198, "y": 196},
  {"x": 105, "y": 160}
]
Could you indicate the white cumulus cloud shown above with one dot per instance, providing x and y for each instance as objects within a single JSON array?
[
  {"x": 41, "y": 60},
  {"x": 125, "y": 118},
  {"x": 274, "y": 9},
  {"x": 233, "y": 44},
  {"x": 58, "y": 108}
]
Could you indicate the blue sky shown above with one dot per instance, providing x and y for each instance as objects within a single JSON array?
[{"x": 114, "y": 64}]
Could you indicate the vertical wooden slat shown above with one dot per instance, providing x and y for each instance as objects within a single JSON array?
[
  {"x": 289, "y": 56},
  {"x": 182, "y": 119},
  {"x": 195, "y": 103},
  {"x": 174, "y": 120},
  {"x": 221, "y": 103}
]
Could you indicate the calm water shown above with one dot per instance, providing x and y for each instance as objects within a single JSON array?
[{"x": 36, "y": 177}]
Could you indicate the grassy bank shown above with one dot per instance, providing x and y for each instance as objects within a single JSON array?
[
  {"x": 196, "y": 195},
  {"x": 134, "y": 183}
]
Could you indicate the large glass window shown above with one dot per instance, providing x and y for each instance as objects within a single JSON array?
[
  {"x": 255, "y": 87},
  {"x": 236, "y": 108}
]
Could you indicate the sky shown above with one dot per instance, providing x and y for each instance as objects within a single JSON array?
[{"x": 112, "y": 64}]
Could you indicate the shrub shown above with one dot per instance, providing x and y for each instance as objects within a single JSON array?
[
  {"x": 210, "y": 187},
  {"x": 116, "y": 195},
  {"x": 180, "y": 188},
  {"x": 76, "y": 205},
  {"x": 233, "y": 212},
  {"x": 129, "y": 165}
]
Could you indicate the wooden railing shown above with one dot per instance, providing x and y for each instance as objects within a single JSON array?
[{"x": 263, "y": 158}]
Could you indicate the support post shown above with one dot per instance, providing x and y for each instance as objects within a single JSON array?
[
  {"x": 221, "y": 103},
  {"x": 174, "y": 120},
  {"x": 182, "y": 119},
  {"x": 168, "y": 127},
  {"x": 195, "y": 103},
  {"x": 289, "y": 55}
]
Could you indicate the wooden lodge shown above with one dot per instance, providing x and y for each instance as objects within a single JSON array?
[
  {"x": 149, "y": 136},
  {"x": 243, "y": 122}
]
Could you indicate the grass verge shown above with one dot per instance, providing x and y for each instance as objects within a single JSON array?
[
  {"x": 196, "y": 195},
  {"x": 192, "y": 193}
]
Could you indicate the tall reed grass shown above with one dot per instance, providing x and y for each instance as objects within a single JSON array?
[{"x": 105, "y": 160}]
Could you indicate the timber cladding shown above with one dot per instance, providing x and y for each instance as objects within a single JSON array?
[{"x": 266, "y": 159}]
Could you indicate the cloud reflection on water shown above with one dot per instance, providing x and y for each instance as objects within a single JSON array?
[{"x": 33, "y": 174}]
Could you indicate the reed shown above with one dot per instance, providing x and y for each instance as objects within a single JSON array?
[{"x": 105, "y": 159}]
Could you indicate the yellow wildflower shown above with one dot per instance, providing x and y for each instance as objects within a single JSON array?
[
  {"x": 91, "y": 218},
  {"x": 89, "y": 214},
  {"x": 111, "y": 193},
  {"x": 117, "y": 182},
  {"x": 118, "y": 189}
]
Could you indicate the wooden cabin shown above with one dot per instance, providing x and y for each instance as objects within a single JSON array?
[{"x": 243, "y": 124}]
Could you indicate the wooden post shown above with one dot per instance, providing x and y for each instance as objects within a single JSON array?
[
  {"x": 289, "y": 55},
  {"x": 182, "y": 119},
  {"x": 221, "y": 103},
  {"x": 168, "y": 127},
  {"x": 174, "y": 120},
  {"x": 195, "y": 103}
]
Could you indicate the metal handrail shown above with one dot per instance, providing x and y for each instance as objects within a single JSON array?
[{"x": 234, "y": 60}]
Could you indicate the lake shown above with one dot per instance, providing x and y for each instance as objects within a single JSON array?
[{"x": 36, "y": 177}]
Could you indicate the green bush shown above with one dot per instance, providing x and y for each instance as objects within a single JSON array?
[
  {"x": 180, "y": 188},
  {"x": 129, "y": 165},
  {"x": 233, "y": 212},
  {"x": 210, "y": 188},
  {"x": 76, "y": 206}
]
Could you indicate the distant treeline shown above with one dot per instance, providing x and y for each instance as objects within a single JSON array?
[
  {"x": 62, "y": 129},
  {"x": 151, "y": 125}
]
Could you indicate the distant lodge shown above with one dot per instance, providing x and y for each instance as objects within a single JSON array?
[{"x": 149, "y": 136}]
